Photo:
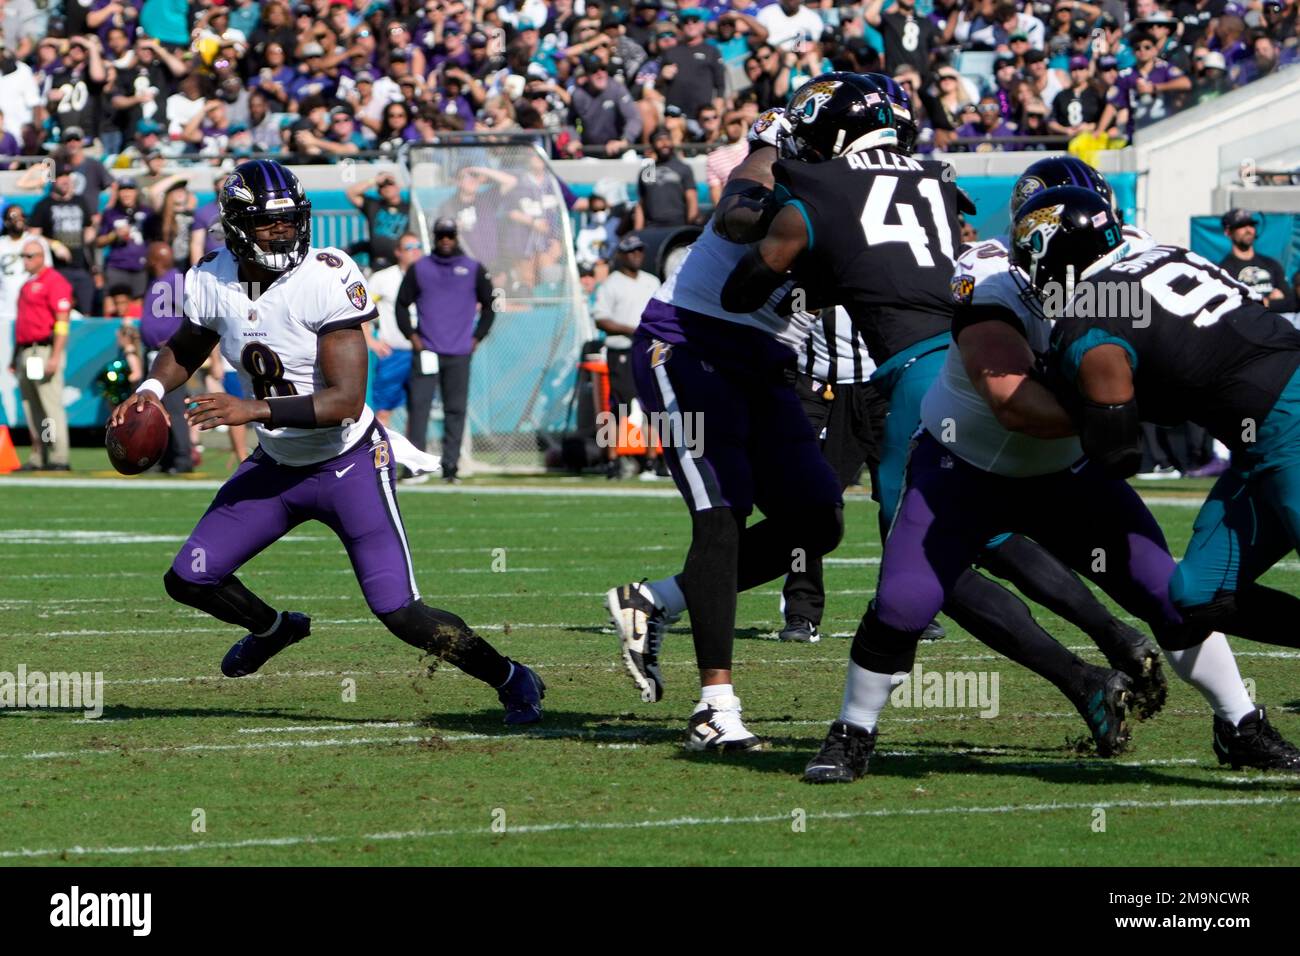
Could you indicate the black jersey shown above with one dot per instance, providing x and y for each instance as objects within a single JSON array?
[
  {"x": 882, "y": 239},
  {"x": 1202, "y": 350}
]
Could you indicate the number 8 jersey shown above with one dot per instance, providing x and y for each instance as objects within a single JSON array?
[
  {"x": 272, "y": 340},
  {"x": 882, "y": 237},
  {"x": 1201, "y": 349}
]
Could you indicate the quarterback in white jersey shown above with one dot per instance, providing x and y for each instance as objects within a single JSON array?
[{"x": 288, "y": 318}]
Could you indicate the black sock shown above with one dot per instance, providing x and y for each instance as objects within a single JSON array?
[
  {"x": 228, "y": 601},
  {"x": 447, "y": 637},
  {"x": 998, "y": 618},
  {"x": 1043, "y": 579},
  {"x": 1259, "y": 614},
  {"x": 708, "y": 582},
  {"x": 767, "y": 547}
]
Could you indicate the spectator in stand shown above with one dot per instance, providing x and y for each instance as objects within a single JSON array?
[
  {"x": 1280, "y": 23},
  {"x": 603, "y": 110},
  {"x": 1213, "y": 80},
  {"x": 720, "y": 162},
  {"x": 1045, "y": 83},
  {"x": 89, "y": 177},
  {"x": 666, "y": 193},
  {"x": 206, "y": 234},
  {"x": 641, "y": 28},
  {"x": 595, "y": 241},
  {"x": 1162, "y": 26},
  {"x": 275, "y": 79},
  {"x": 953, "y": 96},
  {"x": 160, "y": 317},
  {"x": 69, "y": 223},
  {"x": 122, "y": 233},
  {"x": 40, "y": 340},
  {"x": 910, "y": 37},
  {"x": 208, "y": 131},
  {"x": 533, "y": 234},
  {"x": 691, "y": 74},
  {"x": 1266, "y": 58},
  {"x": 789, "y": 23},
  {"x": 76, "y": 91},
  {"x": 989, "y": 127},
  {"x": 186, "y": 103},
  {"x": 737, "y": 33},
  {"x": 1076, "y": 109},
  {"x": 475, "y": 207},
  {"x": 1140, "y": 95},
  {"x": 387, "y": 217},
  {"x": 1259, "y": 273}
]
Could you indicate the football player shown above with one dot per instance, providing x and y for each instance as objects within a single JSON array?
[
  {"x": 733, "y": 374},
  {"x": 289, "y": 317},
  {"x": 1161, "y": 334},
  {"x": 846, "y": 185}
]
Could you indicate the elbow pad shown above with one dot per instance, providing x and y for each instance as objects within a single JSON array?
[
  {"x": 1111, "y": 436},
  {"x": 750, "y": 284}
]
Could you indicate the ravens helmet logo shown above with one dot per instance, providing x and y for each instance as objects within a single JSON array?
[
  {"x": 1026, "y": 187},
  {"x": 236, "y": 188}
]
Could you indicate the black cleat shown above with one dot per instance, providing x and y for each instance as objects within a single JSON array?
[
  {"x": 1254, "y": 743},
  {"x": 844, "y": 756},
  {"x": 800, "y": 630},
  {"x": 1138, "y": 656},
  {"x": 1101, "y": 697},
  {"x": 933, "y": 632},
  {"x": 251, "y": 652}
]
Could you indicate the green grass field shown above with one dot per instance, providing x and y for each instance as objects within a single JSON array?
[{"x": 282, "y": 769}]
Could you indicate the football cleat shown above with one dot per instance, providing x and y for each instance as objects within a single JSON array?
[
  {"x": 933, "y": 632},
  {"x": 1254, "y": 743},
  {"x": 1101, "y": 696},
  {"x": 641, "y": 625},
  {"x": 1139, "y": 657},
  {"x": 250, "y": 652},
  {"x": 522, "y": 695},
  {"x": 716, "y": 725},
  {"x": 844, "y": 756},
  {"x": 800, "y": 630}
]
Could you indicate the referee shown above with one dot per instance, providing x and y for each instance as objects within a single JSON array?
[
  {"x": 848, "y": 418},
  {"x": 454, "y": 305}
]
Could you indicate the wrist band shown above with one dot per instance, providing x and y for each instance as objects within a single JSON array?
[
  {"x": 295, "y": 411},
  {"x": 61, "y": 328},
  {"x": 154, "y": 386}
]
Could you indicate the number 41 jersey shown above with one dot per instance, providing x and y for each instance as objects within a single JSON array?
[
  {"x": 1201, "y": 349},
  {"x": 272, "y": 340},
  {"x": 882, "y": 234}
]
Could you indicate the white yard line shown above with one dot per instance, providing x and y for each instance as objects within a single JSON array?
[{"x": 578, "y": 826}]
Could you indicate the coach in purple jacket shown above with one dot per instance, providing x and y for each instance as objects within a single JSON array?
[{"x": 453, "y": 300}]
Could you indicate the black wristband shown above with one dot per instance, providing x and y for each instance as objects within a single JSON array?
[{"x": 296, "y": 411}]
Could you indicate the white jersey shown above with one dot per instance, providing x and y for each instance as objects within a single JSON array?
[
  {"x": 12, "y": 274},
  {"x": 956, "y": 414},
  {"x": 696, "y": 284},
  {"x": 836, "y": 352},
  {"x": 383, "y": 290},
  {"x": 272, "y": 341}
]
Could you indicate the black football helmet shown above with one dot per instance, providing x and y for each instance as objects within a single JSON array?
[
  {"x": 1062, "y": 235},
  {"x": 258, "y": 192},
  {"x": 839, "y": 113},
  {"x": 1058, "y": 171},
  {"x": 904, "y": 116}
]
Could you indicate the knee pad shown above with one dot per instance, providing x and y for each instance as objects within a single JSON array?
[
  {"x": 185, "y": 592},
  {"x": 882, "y": 649},
  {"x": 1199, "y": 621},
  {"x": 428, "y": 628}
]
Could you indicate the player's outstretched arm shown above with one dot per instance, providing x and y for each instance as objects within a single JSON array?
[
  {"x": 765, "y": 266},
  {"x": 1000, "y": 365},
  {"x": 179, "y": 359}
]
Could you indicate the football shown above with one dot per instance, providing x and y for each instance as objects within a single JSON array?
[{"x": 138, "y": 443}]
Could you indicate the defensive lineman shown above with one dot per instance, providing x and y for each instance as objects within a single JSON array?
[{"x": 289, "y": 318}]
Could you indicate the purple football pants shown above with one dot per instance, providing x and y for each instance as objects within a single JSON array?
[{"x": 354, "y": 494}]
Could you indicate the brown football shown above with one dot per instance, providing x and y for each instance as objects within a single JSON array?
[{"x": 138, "y": 443}]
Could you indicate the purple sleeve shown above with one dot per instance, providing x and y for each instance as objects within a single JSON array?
[{"x": 570, "y": 197}]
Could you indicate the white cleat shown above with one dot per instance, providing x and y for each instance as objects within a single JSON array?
[
  {"x": 641, "y": 625},
  {"x": 716, "y": 725}
]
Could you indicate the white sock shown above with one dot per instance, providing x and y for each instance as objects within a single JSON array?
[
  {"x": 714, "y": 691},
  {"x": 279, "y": 616},
  {"x": 668, "y": 597},
  {"x": 865, "y": 695},
  {"x": 1211, "y": 669}
]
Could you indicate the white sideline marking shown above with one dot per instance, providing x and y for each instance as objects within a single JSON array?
[
  {"x": 368, "y": 725},
  {"x": 581, "y": 826}
]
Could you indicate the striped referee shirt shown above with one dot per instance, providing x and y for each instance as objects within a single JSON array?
[{"x": 835, "y": 351}]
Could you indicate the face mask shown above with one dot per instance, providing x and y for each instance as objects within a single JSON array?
[{"x": 598, "y": 218}]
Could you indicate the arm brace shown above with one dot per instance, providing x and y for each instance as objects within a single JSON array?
[
  {"x": 295, "y": 411},
  {"x": 1111, "y": 436},
  {"x": 750, "y": 284}
]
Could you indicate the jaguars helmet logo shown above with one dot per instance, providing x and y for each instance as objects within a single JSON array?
[
  {"x": 810, "y": 99},
  {"x": 962, "y": 287},
  {"x": 1036, "y": 230},
  {"x": 1026, "y": 188},
  {"x": 357, "y": 294},
  {"x": 236, "y": 188}
]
